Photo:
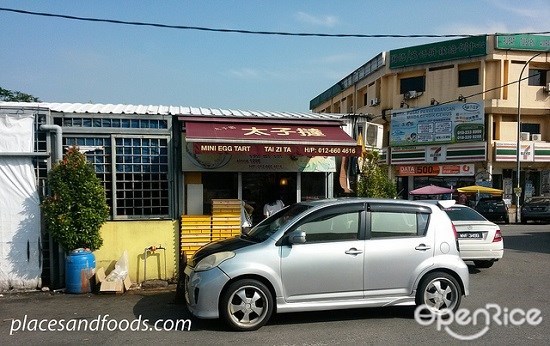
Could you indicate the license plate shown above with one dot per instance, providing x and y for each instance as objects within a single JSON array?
[{"x": 470, "y": 235}]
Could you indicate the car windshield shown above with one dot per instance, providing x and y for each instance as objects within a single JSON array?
[
  {"x": 463, "y": 214},
  {"x": 272, "y": 224}
]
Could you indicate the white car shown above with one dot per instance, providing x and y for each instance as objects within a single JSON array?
[{"x": 480, "y": 240}]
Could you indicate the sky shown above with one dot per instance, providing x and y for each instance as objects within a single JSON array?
[{"x": 62, "y": 60}]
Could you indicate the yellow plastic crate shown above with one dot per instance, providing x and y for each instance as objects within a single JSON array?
[
  {"x": 226, "y": 206},
  {"x": 196, "y": 238},
  {"x": 196, "y": 224}
]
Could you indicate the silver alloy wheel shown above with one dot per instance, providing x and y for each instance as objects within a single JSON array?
[
  {"x": 441, "y": 292},
  {"x": 248, "y": 306}
]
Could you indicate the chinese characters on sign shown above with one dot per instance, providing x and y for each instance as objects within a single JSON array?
[{"x": 283, "y": 131}]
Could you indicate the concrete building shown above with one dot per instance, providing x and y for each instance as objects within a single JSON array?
[{"x": 450, "y": 112}]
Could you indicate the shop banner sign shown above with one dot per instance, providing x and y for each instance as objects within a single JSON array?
[
  {"x": 195, "y": 162},
  {"x": 436, "y": 170},
  {"x": 450, "y": 123},
  {"x": 523, "y": 42}
]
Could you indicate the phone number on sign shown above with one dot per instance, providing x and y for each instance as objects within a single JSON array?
[{"x": 336, "y": 151}]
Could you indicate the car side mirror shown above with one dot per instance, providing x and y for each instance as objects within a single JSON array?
[{"x": 297, "y": 237}]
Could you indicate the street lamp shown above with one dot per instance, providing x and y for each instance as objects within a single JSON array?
[{"x": 517, "y": 190}]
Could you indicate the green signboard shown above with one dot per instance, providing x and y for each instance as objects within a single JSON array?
[
  {"x": 523, "y": 42},
  {"x": 440, "y": 51}
]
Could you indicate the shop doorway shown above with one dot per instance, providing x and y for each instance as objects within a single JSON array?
[{"x": 257, "y": 187}]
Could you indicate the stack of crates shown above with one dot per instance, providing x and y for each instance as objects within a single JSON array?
[
  {"x": 226, "y": 218},
  {"x": 196, "y": 231},
  {"x": 199, "y": 230}
]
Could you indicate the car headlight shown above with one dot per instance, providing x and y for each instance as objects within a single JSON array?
[{"x": 213, "y": 260}]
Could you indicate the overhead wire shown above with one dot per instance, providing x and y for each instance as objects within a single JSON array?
[
  {"x": 241, "y": 31},
  {"x": 280, "y": 33}
]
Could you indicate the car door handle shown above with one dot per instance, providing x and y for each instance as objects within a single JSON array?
[
  {"x": 422, "y": 247},
  {"x": 353, "y": 251}
]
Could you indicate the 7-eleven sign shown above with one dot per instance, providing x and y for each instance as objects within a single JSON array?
[{"x": 527, "y": 152}]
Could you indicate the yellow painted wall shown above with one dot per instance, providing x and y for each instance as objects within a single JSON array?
[{"x": 135, "y": 236}]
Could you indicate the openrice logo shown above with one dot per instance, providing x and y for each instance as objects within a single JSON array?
[{"x": 486, "y": 316}]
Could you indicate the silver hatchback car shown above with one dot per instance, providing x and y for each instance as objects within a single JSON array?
[{"x": 330, "y": 254}]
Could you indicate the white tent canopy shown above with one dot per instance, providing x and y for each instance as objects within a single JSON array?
[{"x": 20, "y": 256}]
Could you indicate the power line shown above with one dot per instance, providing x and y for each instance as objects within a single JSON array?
[{"x": 250, "y": 32}]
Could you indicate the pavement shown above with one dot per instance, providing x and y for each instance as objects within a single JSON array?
[{"x": 19, "y": 309}]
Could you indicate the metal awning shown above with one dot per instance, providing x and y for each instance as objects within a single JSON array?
[{"x": 270, "y": 138}]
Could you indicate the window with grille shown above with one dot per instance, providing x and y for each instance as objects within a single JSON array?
[
  {"x": 142, "y": 184},
  {"x": 134, "y": 171},
  {"x": 121, "y": 123},
  {"x": 98, "y": 152}
]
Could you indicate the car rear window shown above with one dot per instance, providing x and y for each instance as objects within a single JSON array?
[
  {"x": 491, "y": 203},
  {"x": 463, "y": 214}
]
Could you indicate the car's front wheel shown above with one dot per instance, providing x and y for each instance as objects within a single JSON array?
[
  {"x": 439, "y": 291},
  {"x": 246, "y": 305}
]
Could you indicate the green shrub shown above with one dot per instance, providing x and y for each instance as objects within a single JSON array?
[
  {"x": 374, "y": 181},
  {"x": 75, "y": 208}
]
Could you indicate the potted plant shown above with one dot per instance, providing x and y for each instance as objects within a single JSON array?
[{"x": 74, "y": 211}]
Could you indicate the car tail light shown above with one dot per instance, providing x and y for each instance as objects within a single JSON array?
[
  {"x": 498, "y": 236},
  {"x": 456, "y": 236}
]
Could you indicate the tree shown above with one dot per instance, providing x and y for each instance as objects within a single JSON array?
[
  {"x": 16, "y": 96},
  {"x": 374, "y": 181},
  {"x": 76, "y": 207}
]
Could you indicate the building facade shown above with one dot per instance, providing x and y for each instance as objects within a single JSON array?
[
  {"x": 158, "y": 163},
  {"x": 451, "y": 110}
]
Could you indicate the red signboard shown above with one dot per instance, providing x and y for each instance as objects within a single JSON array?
[
  {"x": 270, "y": 139},
  {"x": 437, "y": 170}
]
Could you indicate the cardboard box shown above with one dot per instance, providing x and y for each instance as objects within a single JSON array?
[{"x": 115, "y": 286}]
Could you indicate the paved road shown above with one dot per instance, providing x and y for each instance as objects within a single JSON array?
[{"x": 520, "y": 280}]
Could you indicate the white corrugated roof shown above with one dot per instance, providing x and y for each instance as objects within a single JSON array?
[{"x": 97, "y": 108}]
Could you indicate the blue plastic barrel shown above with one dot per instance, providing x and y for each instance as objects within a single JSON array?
[{"x": 79, "y": 269}]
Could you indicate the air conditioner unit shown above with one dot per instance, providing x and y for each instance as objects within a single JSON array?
[
  {"x": 547, "y": 87},
  {"x": 374, "y": 102},
  {"x": 373, "y": 135},
  {"x": 537, "y": 137},
  {"x": 412, "y": 94},
  {"x": 524, "y": 136}
]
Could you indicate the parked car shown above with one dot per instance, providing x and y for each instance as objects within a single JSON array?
[
  {"x": 493, "y": 209},
  {"x": 480, "y": 240},
  {"x": 536, "y": 208},
  {"x": 330, "y": 254}
]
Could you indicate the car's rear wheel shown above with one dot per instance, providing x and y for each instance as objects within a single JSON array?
[
  {"x": 439, "y": 292},
  {"x": 484, "y": 264},
  {"x": 246, "y": 305}
]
